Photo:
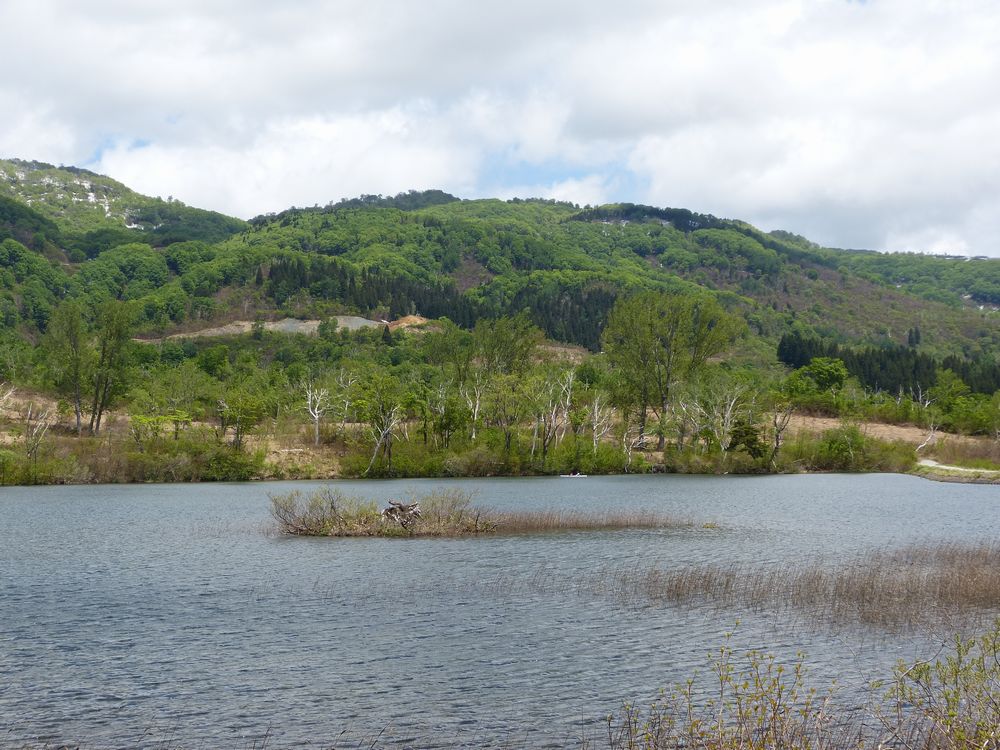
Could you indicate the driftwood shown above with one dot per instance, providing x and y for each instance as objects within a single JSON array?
[{"x": 403, "y": 514}]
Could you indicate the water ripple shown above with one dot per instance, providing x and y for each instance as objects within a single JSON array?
[{"x": 155, "y": 616}]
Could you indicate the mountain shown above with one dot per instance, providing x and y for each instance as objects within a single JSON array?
[
  {"x": 67, "y": 232},
  {"x": 567, "y": 266},
  {"x": 85, "y": 204}
]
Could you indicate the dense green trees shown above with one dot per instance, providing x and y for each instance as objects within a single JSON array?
[
  {"x": 656, "y": 341},
  {"x": 70, "y": 357},
  {"x": 454, "y": 402},
  {"x": 113, "y": 328},
  {"x": 891, "y": 368}
]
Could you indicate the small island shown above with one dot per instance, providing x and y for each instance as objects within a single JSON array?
[{"x": 441, "y": 513}]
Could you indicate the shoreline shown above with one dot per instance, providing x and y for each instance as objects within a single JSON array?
[{"x": 931, "y": 471}]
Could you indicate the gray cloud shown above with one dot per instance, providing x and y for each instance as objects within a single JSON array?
[{"x": 856, "y": 124}]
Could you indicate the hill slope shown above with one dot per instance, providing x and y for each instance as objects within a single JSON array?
[
  {"x": 81, "y": 201},
  {"x": 567, "y": 266},
  {"x": 66, "y": 232}
]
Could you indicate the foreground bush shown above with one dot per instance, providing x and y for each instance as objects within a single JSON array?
[{"x": 950, "y": 702}]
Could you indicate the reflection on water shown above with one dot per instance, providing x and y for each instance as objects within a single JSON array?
[{"x": 156, "y": 616}]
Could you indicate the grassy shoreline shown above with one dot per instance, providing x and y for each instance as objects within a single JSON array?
[{"x": 947, "y": 474}]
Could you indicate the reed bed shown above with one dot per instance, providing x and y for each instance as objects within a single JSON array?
[
  {"x": 937, "y": 584},
  {"x": 535, "y": 522},
  {"x": 913, "y": 585},
  {"x": 442, "y": 513}
]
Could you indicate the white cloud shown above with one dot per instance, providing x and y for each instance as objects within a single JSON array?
[
  {"x": 301, "y": 161},
  {"x": 856, "y": 124},
  {"x": 33, "y": 130},
  {"x": 592, "y": 189}
]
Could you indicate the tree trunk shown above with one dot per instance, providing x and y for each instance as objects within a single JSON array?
[{"x": 78, "y": 409}]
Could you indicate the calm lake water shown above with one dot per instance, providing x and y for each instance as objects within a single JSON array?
[{"x": 166, "y": 616}]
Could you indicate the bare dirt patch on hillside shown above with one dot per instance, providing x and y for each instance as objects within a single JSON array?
[
  {"x": 905, "y": 433},
  {"x": 408, "y": 321},
  {"x": 285, "y": 325},
  {"x": 563, "y": 352}
]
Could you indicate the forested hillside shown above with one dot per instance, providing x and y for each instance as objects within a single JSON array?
[
  {"x": 95, "y": 279},
  {"x": 434, "y": 255}
]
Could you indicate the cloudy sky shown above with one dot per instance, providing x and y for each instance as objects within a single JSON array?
[{"x": 858, "y": 124}]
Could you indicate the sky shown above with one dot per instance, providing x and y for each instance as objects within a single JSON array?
[{"x": 856, "y": 124}]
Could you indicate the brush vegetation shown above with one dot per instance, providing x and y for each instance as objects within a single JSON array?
[
  {"x": 442, "y": 513},
  {"x": 971, "y": 454},
  {"x": 948, "y": 702}
]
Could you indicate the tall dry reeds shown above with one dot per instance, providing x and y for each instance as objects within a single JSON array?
[
  {"x": 939, "y": 584},
  {"x": 909, "y": 586},
  {"x": 536, "y": 522}
]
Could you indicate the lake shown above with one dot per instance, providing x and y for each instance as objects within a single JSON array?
[{"x": 169, "y": 616}]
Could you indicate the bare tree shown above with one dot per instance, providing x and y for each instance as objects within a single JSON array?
[
  {"x": 548, "y": 413},
  {"x": 382, "y": 427},
  {"x": 688, "y": 419},
  {"x": 345, "y": 395},
  {"x": 930, "y": 437},
  {"x": 6, "y": 394},
  {"x": 633, "y": 439},
  {"x": 713, "y": 409},
  {"x": 922, "y": 397},
  {"x": 780, "y": 419},
  {"x": 726, "y": 410},
  {"x": 438, "y": 406},
  {"x": 36, "y": 424},
  {"x": 600, "y": 418},
  {"x": 382, "y": 403},
  {"x": 318, "y": 403},
  {"x": 473, "y": 391},
  {"x": 566, "y": 383}
]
